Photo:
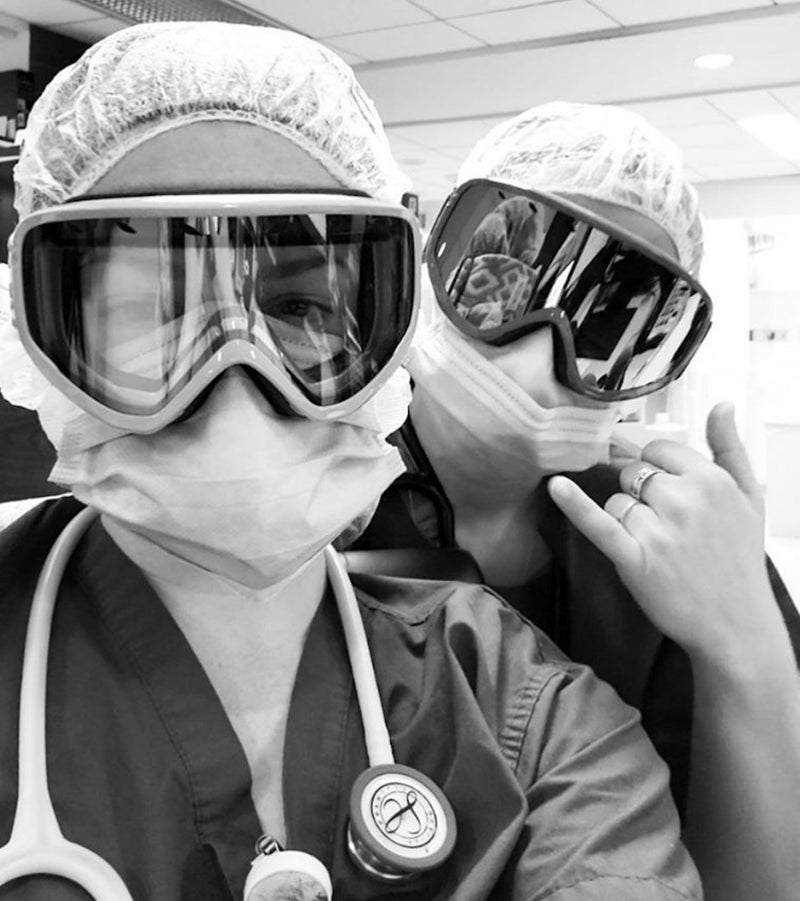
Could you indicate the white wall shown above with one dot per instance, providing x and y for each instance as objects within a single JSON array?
[{"x": 14, "y": 43}]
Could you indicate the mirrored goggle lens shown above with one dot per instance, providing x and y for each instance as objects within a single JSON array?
[
  {"x": 132, "y": 309},
  {"x": 505, "y": 260}
]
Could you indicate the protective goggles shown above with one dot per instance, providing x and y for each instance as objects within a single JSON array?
[
  {"x": 504, "y": 261},
  {"x": 133, "y": 306}
]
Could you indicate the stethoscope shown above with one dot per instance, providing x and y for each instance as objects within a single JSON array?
[{"x": 401, "y": 824}]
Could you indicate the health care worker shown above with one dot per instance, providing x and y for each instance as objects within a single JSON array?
[
  {"x": 212, "y": 275},
  {"x": 561, "y": 270}
]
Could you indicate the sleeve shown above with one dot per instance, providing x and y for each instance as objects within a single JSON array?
[
  {"x": 601, "y": 823},
  {"x": 788, "y": 607}
]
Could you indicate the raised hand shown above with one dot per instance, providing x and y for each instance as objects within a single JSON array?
[{"x": 686, "y": 535}]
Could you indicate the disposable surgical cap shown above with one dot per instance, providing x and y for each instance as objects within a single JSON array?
[
  {"x": 148, "y": 79},
  {"x": 603, "y": 152}
]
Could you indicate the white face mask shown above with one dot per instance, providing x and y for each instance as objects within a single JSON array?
[
  {"x": 475, "y": 418},
  {"x": 236, "y": 489}
]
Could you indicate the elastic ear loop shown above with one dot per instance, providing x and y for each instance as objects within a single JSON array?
[{"x": 37, "y": 845}]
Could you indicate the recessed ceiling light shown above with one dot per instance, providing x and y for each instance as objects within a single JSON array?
[{"x": 713, "y": 61}]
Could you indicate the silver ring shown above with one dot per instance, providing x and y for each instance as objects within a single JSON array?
[
  {"x": 643, "y": 473},
  {"x": 624, "y": 515}
]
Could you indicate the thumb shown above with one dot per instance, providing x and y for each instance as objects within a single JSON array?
[{"x": 728, "y": 450}]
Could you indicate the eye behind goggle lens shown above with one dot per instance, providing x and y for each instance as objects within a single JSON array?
[
  {"x": 133, "y": 311},
  {"x": 505, "y": 262}
]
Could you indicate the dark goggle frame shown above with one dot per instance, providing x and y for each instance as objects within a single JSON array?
[
  {"x": 457, "y": 210},
  {"x": 279, "y": 378}
]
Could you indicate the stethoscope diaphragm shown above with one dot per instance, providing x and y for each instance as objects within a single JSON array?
[{"x": 401, "y": 823}]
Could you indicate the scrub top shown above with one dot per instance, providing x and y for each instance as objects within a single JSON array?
[
  {"x": 579, "y": 601},
  {"x": 557, "y": 792}
]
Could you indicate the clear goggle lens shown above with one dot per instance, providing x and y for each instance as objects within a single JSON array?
[{"x": 140, "y": 312}]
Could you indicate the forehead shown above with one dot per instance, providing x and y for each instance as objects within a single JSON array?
[{"x": 217, "y": 156}]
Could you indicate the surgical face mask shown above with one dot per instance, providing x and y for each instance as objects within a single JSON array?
[
  {"x": 237, "y": 489},
  {"x": 477, "y": 420}
]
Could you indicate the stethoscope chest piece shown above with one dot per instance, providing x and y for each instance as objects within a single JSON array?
[
  {"x": 401, "y": 823},
  {"x": 275, "y": 873}
]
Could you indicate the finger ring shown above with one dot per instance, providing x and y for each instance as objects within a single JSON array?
[
  {"x": 643, "y": 473},
  {"x": 621, "y": 517}
]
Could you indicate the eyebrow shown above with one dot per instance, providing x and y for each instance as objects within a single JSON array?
[{"x": 300, "y": 267}]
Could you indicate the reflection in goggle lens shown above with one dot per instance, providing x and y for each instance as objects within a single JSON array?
[
  {"x": 505, "y": 262},
  {"x": 130, "y": 310}
]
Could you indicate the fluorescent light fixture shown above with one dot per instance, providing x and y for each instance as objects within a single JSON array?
[
  {"x": 713, "y": 60},
  {"x": 778, "y": 131}
]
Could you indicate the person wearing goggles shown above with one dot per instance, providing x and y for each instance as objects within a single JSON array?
[
  {"x": 562, "y": 271},
  {"x": 215, "y": 289}
]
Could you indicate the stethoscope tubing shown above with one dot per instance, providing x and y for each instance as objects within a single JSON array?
[
  {"x": 376, "y": 733},
  {"x": 37, "y": 845}
]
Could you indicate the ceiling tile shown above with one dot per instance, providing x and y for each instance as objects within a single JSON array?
[
  {"x": 740, "y": 104},
  {"x": 325, "y": 18},
  {"x": 405, "y": 41},
  {"x": 718, "y": 135},
  {"x": 436, "y": 135},
  {"x": 684, "y": 112},
  {"x": 693, "y": 175},
  {"x": 636, "y": 12},
  {"x": 716, "y": 169},
  {"x": 352, "y": 59},
  {"x": 447, "y": 9},
  {"x": 746, "y": 151},
  {"x": 46, "y": 12},
  {"x": 548, "y": 20},
  {"x": 789, "y": 97}
]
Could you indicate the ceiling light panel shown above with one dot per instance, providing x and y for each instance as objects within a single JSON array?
[{"x": 529, "y": 23}]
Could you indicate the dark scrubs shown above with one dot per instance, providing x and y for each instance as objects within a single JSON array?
[
  {"x": 557, "y": 793},
  {"x": 579, "y": 601}
]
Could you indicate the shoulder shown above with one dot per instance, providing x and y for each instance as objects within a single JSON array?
[
  {"x": 442, "y": 607},
  {"x": 452, "y": 633}
]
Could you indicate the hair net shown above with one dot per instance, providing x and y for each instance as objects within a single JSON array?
[
  {"x": 21, "y": 383},
  {"x": 150, "y": 78},
  {"x": 603, "y": 152}
]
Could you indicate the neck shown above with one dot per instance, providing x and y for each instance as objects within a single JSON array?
[{"x": 495, "y": 518}]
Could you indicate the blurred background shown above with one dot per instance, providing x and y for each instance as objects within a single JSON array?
[{"x": 719, "y": 77}]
